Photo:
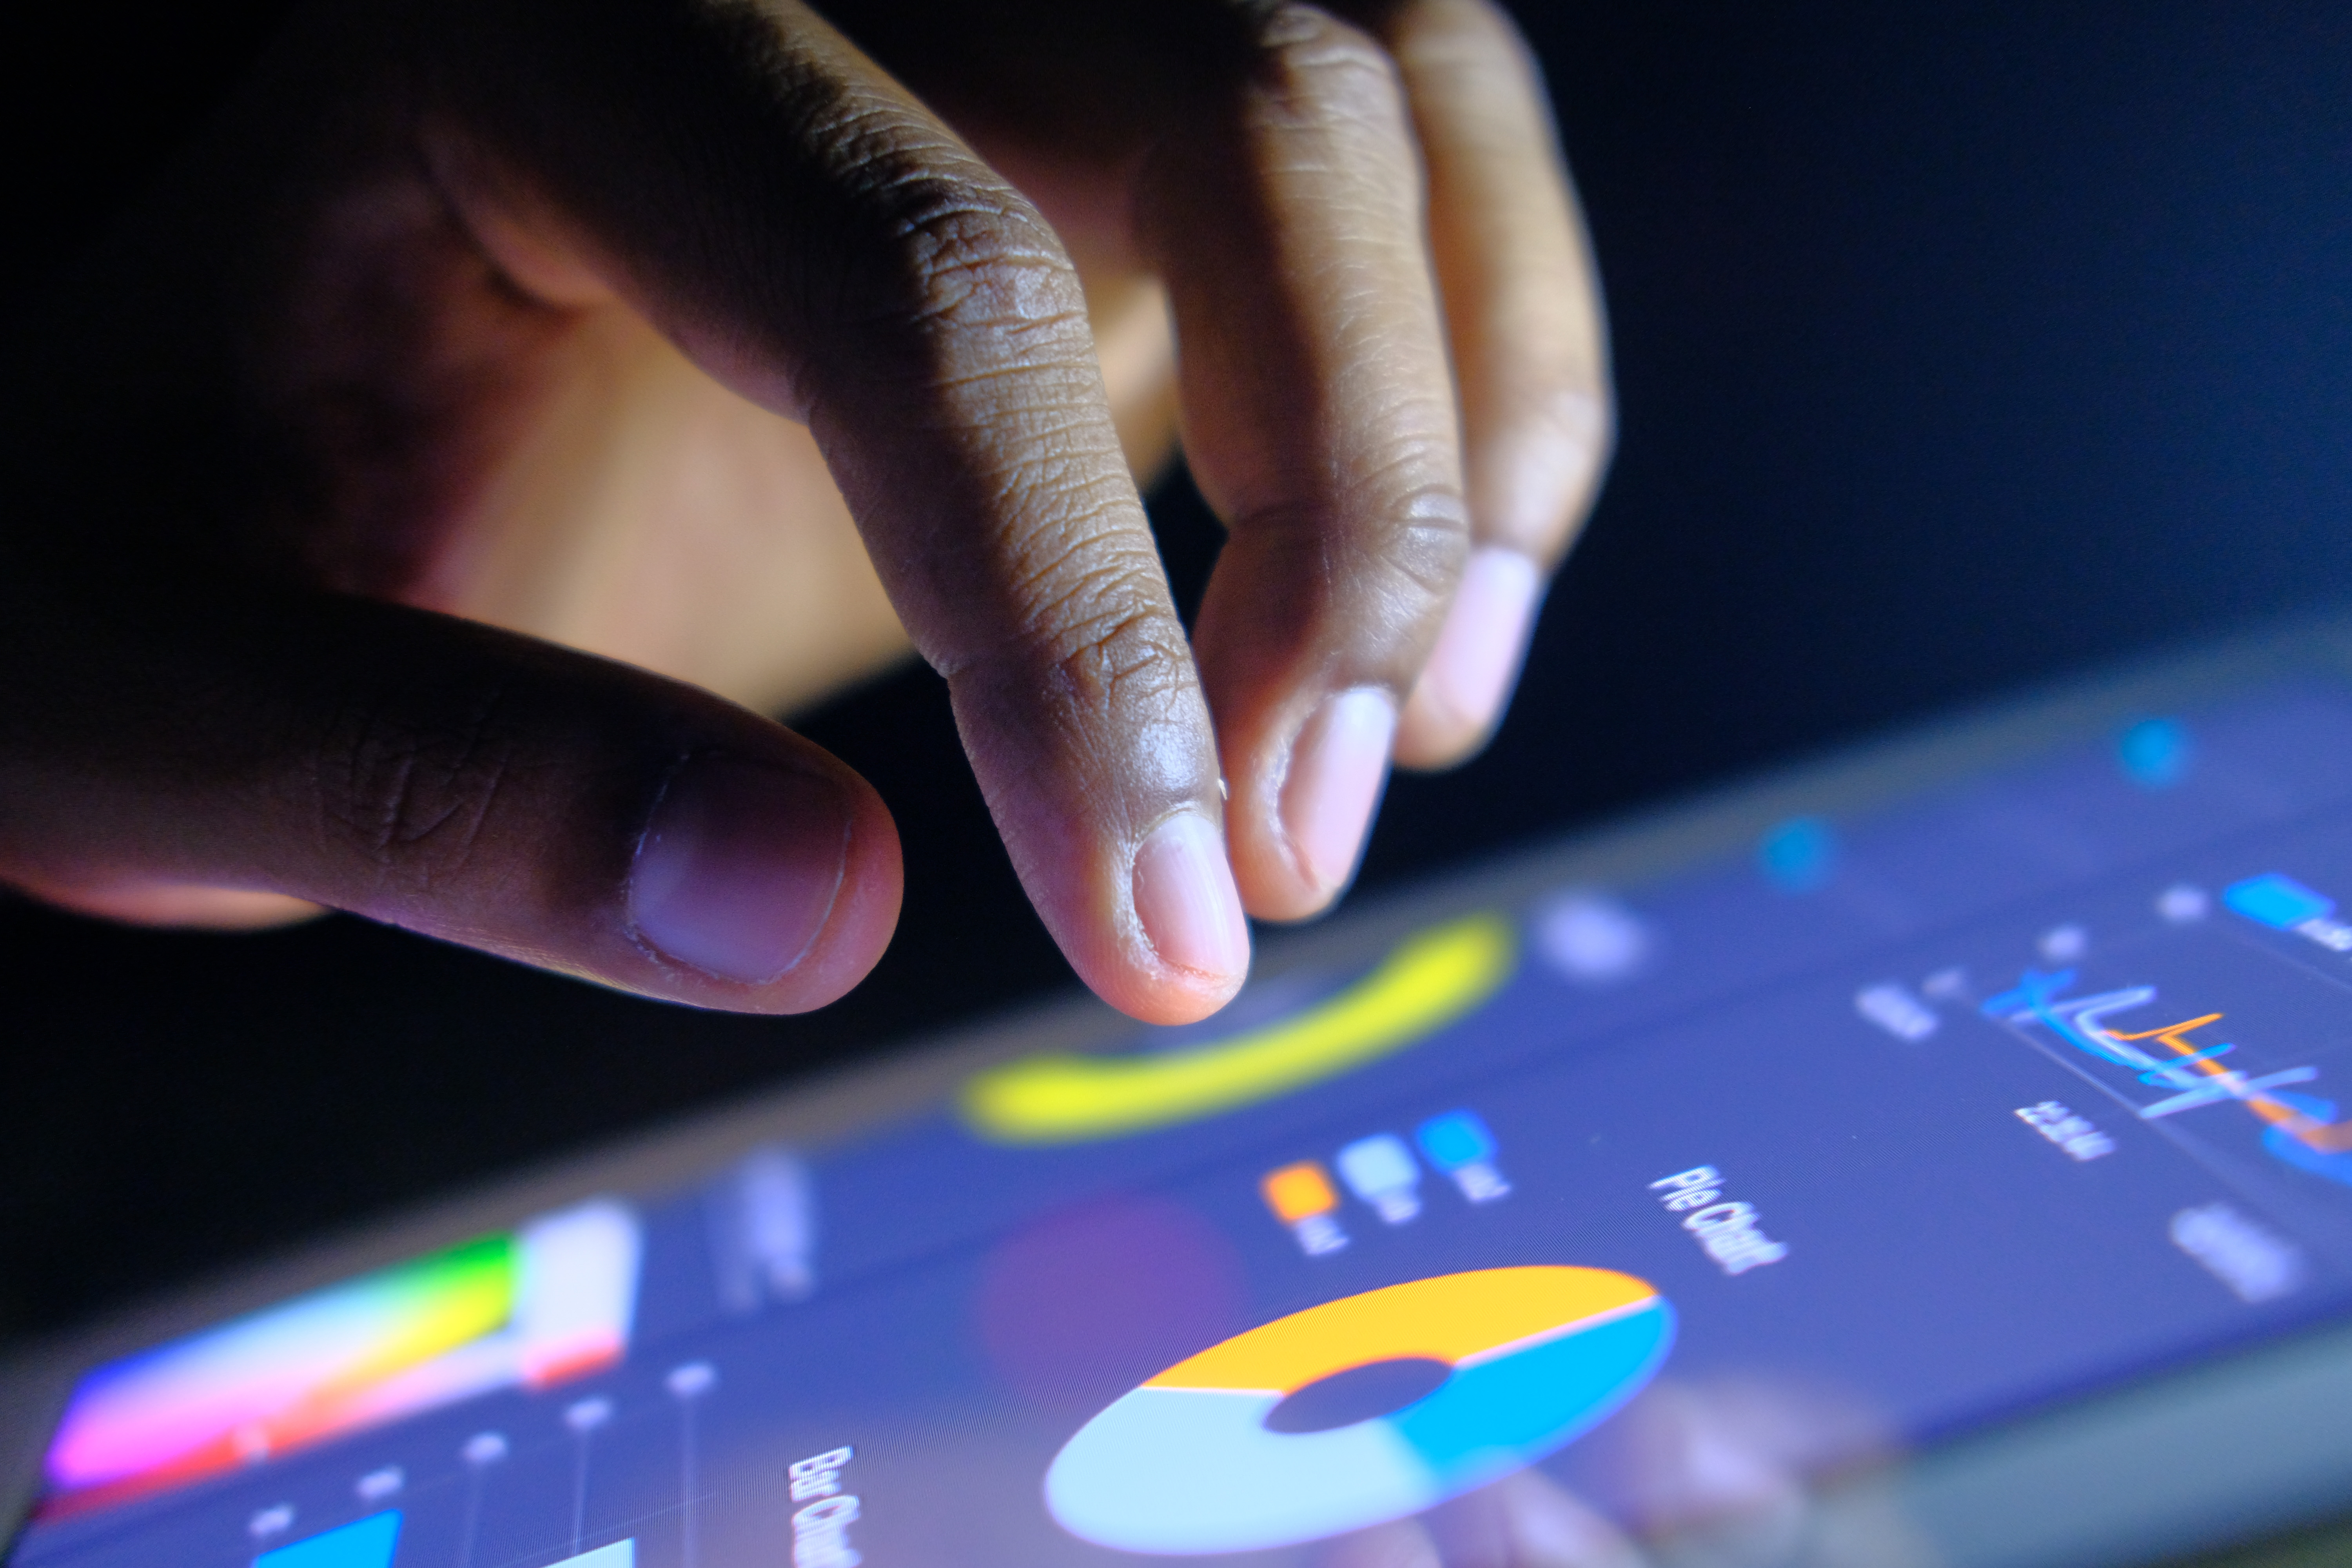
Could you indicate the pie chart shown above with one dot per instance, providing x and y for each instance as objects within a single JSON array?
[{"x": 1360, "y": 1410}]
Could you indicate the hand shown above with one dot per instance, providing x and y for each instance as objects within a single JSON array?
[
  {"x": 545, "y": 316},
  {"x": 1524, "y": 1521},
  {"x": 1709, "y": 1476}
]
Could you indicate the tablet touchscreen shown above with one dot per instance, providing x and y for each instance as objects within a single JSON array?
[{"x": 1633, "y": 1193}]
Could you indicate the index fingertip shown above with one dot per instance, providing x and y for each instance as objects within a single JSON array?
[{"x": 1191, "y": 917}]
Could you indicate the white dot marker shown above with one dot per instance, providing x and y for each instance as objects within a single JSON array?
[
  {"x": 2064, "y": 944},
  {"x": 1947, "y": 985},
  {"x": 378, "y": 1485},
  {"x": 588, "y": 1415},
  {"x": 2184, "y": 903},
  {"x": 1593, "y": 939}
]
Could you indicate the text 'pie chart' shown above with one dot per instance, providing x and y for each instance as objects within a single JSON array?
[{"x": 1360, "y": 1410}]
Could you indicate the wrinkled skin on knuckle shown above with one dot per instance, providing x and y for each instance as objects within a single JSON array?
[
  {"x": 1096, "y": 682},
  {"x": 1402, "y": 498},
  {"x": 1364, "y": 575},
  {"x": 974, "y": 326},
  {"x": 1476, "y": 41},
  {"x": 1129, "y": 685},
  {"x": 1427, "y": 540},
  {"x": 984, "y": 260},
  {"x": 1101, "y": 633},
  {"x": 958, "y": 261},
  {"x": 1120, "y": 672},
  {"x": 1313, "y": 68},
  {"x": 408, "y": 801}
]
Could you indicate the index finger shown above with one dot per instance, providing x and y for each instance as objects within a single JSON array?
[{"x": 817, "y": 239}]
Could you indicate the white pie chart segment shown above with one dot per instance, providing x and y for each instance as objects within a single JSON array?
[{"x": 1238, "y": 1486}]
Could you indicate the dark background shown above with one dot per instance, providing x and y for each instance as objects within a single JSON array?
[{"x": 1958, "y": 347}]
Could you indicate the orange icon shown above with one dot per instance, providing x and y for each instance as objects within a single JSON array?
[{"x": 1302, "y": 1197}]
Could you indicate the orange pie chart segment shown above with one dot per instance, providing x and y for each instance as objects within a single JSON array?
[{"x": 1459, "y": 1318}]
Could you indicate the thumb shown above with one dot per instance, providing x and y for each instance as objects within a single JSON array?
[{"x": 445, "y": 777}]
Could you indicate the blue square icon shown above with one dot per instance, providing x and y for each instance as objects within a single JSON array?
[
  {"x": 1454, "y": 1140},
  {"x": 2277, "y": 901}
]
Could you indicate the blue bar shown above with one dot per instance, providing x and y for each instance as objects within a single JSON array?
[
  {"x": 367, "y": 1544},
  {"x": 2277, "y": 901}
]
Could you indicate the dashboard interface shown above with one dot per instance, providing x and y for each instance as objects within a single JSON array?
[{"x": 1628, "y": 1203}]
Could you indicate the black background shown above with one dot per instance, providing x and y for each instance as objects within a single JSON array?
[{"x": 1958, "y": 346}]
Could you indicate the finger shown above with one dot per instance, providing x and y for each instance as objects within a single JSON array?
[
  {"x": 1524, "y": 1521},
  {"x": 435, "y": 775},
  {"x": 1530, "y": 348},
  {"x": 1402, "y": 1543},
  {"x": 186, "y": 906},
  {"x": 819, "y": 242},
  {"x": 1702, "y": 1477},
  {"x": 1320, "y": 422},
  {"x": 1527, "y": 1520}
]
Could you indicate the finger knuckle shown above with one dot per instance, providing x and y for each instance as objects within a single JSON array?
[
  {"x": 972, "y": 257},
  {"x": 1427, "y": 542},
  {"x": 1120, "y": 669},
  {"x": 1417, "y": 531},
  {"x": 410, "y": 798},
  {"x": 1474, "y": 45},
  {"x": 1099, "y": 638},
  {"x": 1376, "y": 559},
  {"x": 1318, "y": 67}
]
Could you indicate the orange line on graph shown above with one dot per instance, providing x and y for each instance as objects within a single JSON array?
[{"x": 2328, "y": 1138}]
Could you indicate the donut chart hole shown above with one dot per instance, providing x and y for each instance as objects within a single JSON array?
[{"x": 1358, "y": 1393}]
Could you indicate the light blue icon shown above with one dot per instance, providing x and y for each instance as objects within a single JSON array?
[
  {"x": 620, "y": 1554},
  {"x": 2277, "y": 901},
  {"x": 1380, "y": 1171},
  {"x": 367, "y": 1544},
  {"x": 1797, "y": 855},
  {"x": 2155, "y": 754}
]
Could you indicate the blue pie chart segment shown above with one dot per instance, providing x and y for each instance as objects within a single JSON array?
[{"x": 1186, "y": 1463}]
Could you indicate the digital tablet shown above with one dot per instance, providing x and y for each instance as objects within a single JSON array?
[{"x": 1939, "y": 1155}]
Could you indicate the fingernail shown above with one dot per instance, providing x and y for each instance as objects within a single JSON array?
[
  {"x": 1184, "y": 895},
  {"x": 1337, "y": 767},
  {"x": 738, "y": 871},
  {"x": 1478, "y": 654}
]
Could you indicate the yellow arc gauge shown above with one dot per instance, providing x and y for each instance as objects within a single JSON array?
[{"x": 1427, "y": 983}]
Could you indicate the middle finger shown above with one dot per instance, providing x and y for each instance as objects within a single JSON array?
[{"x": 1320, "y": 422}]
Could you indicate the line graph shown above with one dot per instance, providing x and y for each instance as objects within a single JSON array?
[{"x": 2298, "y": 1128}]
